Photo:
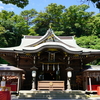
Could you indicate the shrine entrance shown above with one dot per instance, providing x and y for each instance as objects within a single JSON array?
[
  {"x": 49, "y": 76},
  {"x": 51, "y": 55},
  {"x": 52, "y": 64}
]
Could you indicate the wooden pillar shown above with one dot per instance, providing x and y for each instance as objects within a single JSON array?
[
  {"x": 86, "y": 85},
  {"x": 84, "y": 81},
  {"x": 18, "y": 85},
  {"x": 81, "y": 63},
  {"x": 19, "y": 80},
  {"x": 34, "y": 60},
  {"x": 68, "y": 61},
  {"x": 34, "y": 73},
  {"x": 17, "y": 58}
]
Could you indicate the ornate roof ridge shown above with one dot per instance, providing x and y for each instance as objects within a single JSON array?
[
  {"x": 31, "y": 37},
  {"x": 38, "y": 37},
  {"x": 49, "y": 37}
]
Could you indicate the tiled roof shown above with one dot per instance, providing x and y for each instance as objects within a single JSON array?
[
  {"x": 4, "y": 67},
  {"x": 33, "y": 44},
  {"x": 92, "y": 68}
]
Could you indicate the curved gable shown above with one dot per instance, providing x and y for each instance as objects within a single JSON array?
[{"x": 50, "y": 37}]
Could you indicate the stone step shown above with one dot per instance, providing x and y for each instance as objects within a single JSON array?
[{"x": 52, "y": 95}]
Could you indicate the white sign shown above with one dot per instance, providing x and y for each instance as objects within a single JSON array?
[{"x": 3, "y": 83}]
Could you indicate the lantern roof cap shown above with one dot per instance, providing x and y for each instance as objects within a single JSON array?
[{"x": 69, "y": 69}]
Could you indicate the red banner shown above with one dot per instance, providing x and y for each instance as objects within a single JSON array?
[{"x": 5, "y": 95}]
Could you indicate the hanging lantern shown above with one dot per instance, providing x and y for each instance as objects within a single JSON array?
[
  {"x": 42, "y": 67},
  {"x": 69, "y": 74},
  {"x": 58, "y": 67},
  {"x": 34, "y": 73},
  {"x": 53, "y": 67},
  {"x": 47, "y": 67}
]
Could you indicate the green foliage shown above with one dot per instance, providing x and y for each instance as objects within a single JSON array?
[
  {"x": 18, "y": 3},
  {"x": 23, "y": 3},
  {"x": 71, "y": 21},
  {"x": 32, "y": 32},
  {"x": 96, "y": 2},
  {"x": 58, "y": 33},
  {"x": 29, "y": 15},
  {"x": 3, "y": 42},
  {"x": 6, "y": 15},
  {"x": 75, "y": 20},
  {"x": 65, "y": 21},
  {"x": 2, "y": 29},
  {"x": 12, "y": 28},
  {"x": 52, "y": 14},
  {"x": 92, "y": 42}
]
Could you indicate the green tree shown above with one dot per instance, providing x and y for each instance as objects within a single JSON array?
[
  {"x": 29, "y": 15},
  {"x": 75, "y": 19},
  {"x": 92, "y": 42},
  {"x": 52, "y": 14},
  {"x": 3, "y": 42},
  {"x": 96, "y": 25},
  {"x": 65, "y": 21},
  {"x": 23, "y": 3},
  {"x": 15, "y": 26},
  {"x": 6, "y": 15},
  {"x": 96, "y": 2},
  {"x": 18, "y": 3},
  {"x": 32, "y": 32}
]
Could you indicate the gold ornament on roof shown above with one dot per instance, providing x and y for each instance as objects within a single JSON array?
[
  {"x": 50, "y": 25},
  {"x": 28, "y": 54},
  {"x": 76, "y": 55}
]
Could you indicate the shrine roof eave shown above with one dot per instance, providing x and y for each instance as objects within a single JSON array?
[
  {"x": 51, "y": 45},
  {"x": 91, "y": 71},
  {"x": 10, "y": 69},
  {"x": 74, "y": 50},
  {"x": 68, "y": 49},
  {"x": 93, "y": 68}
]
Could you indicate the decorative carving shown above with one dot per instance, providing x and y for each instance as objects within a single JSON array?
[
  {"x": 51, "y": 84},
  {"x": 51, "y": 57}
]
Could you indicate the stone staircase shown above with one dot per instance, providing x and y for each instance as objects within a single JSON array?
[{"x": 52, "y": 95}]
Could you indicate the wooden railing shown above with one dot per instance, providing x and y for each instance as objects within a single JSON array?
[{"x": 51, "y": 85}]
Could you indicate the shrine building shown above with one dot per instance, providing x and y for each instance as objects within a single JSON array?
[{"x": 53, "y": 62}]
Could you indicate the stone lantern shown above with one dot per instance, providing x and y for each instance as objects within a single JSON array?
[
  {"x": 34, "y": 77},
  {"x": 69, "y": 75}
]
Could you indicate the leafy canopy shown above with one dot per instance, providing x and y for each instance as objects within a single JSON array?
[
  {"x": 18, "y": 3},
  {"x": 12, "y": 27},
  {"x": 23, "y": 3},
  {"x": 96, "y": 2},
  {"x": 65, "y": 21}
]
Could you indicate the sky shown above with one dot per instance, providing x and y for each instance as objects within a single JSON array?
[{"x": 39, "y": 5}]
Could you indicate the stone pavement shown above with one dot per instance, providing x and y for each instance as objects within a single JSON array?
[
  {"x": 14, "y": 97},
  {"x": 53, "y": 95}
]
